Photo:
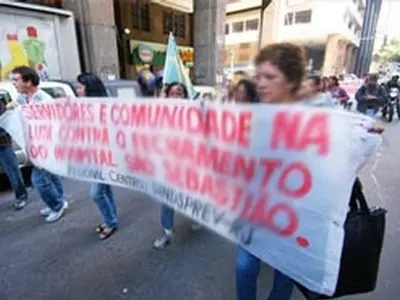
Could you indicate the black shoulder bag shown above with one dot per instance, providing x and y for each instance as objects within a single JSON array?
[{"x": 363, "y": 241}]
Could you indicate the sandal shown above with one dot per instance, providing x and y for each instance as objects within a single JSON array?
[
  {"x": 100, "y": 228},
  {"x": 107, "y": 232}
]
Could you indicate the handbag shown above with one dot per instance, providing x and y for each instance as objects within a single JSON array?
[{"x": 363, "y": 241}]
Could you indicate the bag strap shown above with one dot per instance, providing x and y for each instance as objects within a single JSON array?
[{"x": 357, "y": 198}]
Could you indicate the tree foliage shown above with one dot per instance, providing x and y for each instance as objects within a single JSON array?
[{"x": 390, "y": 52}]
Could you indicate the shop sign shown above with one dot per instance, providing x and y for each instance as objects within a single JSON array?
[
  {"x": 154, "y": 53},
  {"x": 146, "y": 53}
]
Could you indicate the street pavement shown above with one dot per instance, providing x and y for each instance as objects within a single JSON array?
[{"x": 66, "y": 261}]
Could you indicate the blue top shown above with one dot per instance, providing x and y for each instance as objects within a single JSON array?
[{"x": 37, "y": 97}]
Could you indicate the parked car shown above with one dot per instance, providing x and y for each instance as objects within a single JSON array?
[
  {"x": 9, "y": 93},
  {"x": 53, "y": 88},
  {"x": 127, "y": 89}
]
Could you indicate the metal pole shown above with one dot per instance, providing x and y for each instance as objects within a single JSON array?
[
  {"x": 264, "y": 5},
  {"x": 260, "y": 28}
]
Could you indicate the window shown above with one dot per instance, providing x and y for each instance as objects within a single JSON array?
[
  {"x": 180, "y": 25},
  {"x": 237, "y": 27},
  {"x": 226, "y": 28},
  {"x": 5, "y": 96},
  {"x": 252, "y": 25},
  {"x": 302, "y": 17},
  {"x": 168, "y": 22},
  {"x": 289, "y": 19},
  {"x": 55, "y": 92},
  {"x": 175, "y": 23},
  {"x": 141, "y": 16}
]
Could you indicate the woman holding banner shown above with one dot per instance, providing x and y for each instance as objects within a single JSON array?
[
  {"x": 174, "y": 90},
  {"x": 279, "y": 73},
  {"x": 89, "y": 85}
]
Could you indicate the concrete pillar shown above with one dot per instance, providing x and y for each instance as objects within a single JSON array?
[
  {"x": 270, "y": 24},
  {"x": 335, "y": 55},
  {"x": 209, "y": 19},
  {"x": 97, "y": 31}
]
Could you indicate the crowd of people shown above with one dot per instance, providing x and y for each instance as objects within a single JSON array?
[
  {"x": 317, "y": 90},
  {"x": 280, "y": 78}
]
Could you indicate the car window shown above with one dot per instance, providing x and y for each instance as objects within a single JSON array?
[
  {"x": 55, "y": 92},
  {"x": 5, "y": 96},
  {"x": 126, "y": 93},
  {"x": 109, "y": 92}
]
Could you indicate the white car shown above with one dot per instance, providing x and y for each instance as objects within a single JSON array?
[
  {"x": 9, "y": 93},
  {"x": 53, "y": 88}
]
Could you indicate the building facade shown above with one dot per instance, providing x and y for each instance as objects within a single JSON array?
[
  {"x": 143, "y": 30},
  {"x": 43, "y": 38},
  {"x": 242, "y": 28},
  {"x": 118, "y": 38},
  {"x": 330, "y": 31}
]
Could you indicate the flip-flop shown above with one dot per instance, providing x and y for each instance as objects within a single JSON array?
[{"x": 105, "y": 235}]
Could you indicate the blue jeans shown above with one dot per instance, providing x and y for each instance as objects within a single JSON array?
[
  {"x": 103, "y": 196},
  {"x": 247, "y": 271},
  {"x": 370, "y": 112},
  {"x": 49, "y": 188},
  {"x": 9, "y": 164},
  {"x": 167, "y": 217}
]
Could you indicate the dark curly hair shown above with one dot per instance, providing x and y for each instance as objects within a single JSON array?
[
  {"x": 251, "y": 91},
  {"x": 93, "y": 85},
  {"x": 289, "y": 58},
  {"x": 335, "y": 79},
  {"x": 172, "y": 84}
]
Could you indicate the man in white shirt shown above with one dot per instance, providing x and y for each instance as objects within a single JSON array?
[{"x": 49, "y": 186}]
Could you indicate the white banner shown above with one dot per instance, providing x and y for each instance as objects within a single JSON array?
[{"x": 275, "y": 179}]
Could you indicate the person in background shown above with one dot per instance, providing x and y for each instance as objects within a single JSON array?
[
  {"x": 312, "y": 94},
  {"x": 324, "y": 84},
  {"x": 49, "y": 186},
  {"x": 393, "y": 83},
  {"x": 159, "y": 87},
  {"x": 174, "y": 90},
  {"x": 230, "y": 92},
  {"x": 371, "y": 96},
  {"x": 9, "y": 164},
  {"x": 337, "y": 92},
  {"x": 245, "y": 91},
  {"x": 90, "y": 85},
  {"x": 146, "y": 80}
]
